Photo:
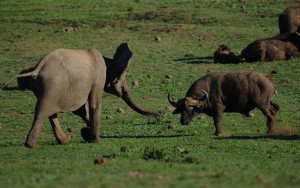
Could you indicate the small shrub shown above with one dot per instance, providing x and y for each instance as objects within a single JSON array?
[{"x": 151, "y": 153}]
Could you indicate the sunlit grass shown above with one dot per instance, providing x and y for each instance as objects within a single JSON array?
[{"x": 188, "y": 156}]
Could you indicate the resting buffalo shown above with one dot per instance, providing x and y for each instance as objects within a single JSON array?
[
  {"x": 280, "y": 47},
  {"x": 224, "y": 55},
  {"x": 289, "y": 20},
  {"x": 216, "y": 93}
]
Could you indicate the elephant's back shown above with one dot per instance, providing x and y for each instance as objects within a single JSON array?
[{"x": 68, "y": 76}]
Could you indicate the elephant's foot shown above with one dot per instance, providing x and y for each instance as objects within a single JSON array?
[
  {"x": 85, "y": 134},
  {"x": 65, "y": 139},
  {"x": 31, "y": 143}
]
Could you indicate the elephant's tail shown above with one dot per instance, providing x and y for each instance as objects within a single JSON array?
[
  {"x": 28, "y": 74},
  {"x": 31, "y": 72}
]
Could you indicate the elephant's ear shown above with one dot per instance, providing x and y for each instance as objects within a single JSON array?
[{"x": 122, "y": 57}]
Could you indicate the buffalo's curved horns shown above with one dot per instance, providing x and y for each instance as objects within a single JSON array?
[
  {"x": 194, "y": 102},
  {"x": 205, "y": 95},
  {"x": 173, "y": 103}
]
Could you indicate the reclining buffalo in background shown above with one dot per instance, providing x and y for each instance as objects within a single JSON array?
[
  {"x": 280, "y": 47},
  {"x": 217, "y": 93},
  {"x": 224, "y": 55},
  {"x": 289, "y": 20}
]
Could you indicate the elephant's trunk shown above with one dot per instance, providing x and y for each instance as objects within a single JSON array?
[{"x": 130, "y": 102}]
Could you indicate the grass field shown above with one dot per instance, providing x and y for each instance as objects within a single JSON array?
[{"x": 139, "y": 151}]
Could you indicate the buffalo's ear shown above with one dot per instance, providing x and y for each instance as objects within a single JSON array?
[{"x": 177, "y": 111}]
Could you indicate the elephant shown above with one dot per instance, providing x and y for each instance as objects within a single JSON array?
[{"x": 74, "y": 80}]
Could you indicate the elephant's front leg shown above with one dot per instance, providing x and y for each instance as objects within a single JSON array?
[
  {"x": 95, "y": 102},
  {"x": 59, "y": 134}
]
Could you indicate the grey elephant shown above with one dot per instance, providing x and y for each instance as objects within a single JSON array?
[{"x": 74, "y": 80}]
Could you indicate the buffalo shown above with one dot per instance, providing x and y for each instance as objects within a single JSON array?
[
  {"x": 289, "y": 20},
  {"x": 216, "y": 93},
  {"x": 280, "y": 47},
  {"x": 224, "y": 55}
]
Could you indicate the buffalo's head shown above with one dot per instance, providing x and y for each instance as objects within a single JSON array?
[{"x": 188, "y": 107}]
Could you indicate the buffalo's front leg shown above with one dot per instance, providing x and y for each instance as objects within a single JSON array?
[
  {"x": 59, "y": 134},
  {"x": 217, "y": 122}
]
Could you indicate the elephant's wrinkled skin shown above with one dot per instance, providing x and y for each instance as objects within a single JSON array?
[{"x": 74, "y": 80}]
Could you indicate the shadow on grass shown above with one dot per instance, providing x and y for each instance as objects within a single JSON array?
[
  {"x": 274, "y": 137},
  {"x": 196, "y": 60},
  {"x": 11, "y": 89},
  {"x": 148, "y": 136}
]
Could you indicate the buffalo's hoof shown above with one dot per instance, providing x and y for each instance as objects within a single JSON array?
[{"x": 218, "y": 133}]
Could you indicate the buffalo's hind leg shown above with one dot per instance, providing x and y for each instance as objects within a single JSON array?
[
  {"x": 59, "y": 134},
  {"x": 270, "y": 112},
  {"x": 274, "y": 108}
]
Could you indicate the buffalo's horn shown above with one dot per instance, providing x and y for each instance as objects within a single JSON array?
[
  {"x": 205, "y": 95},
  {"x": 173, "y": 103},
  {"x": 193, "y": 102}
]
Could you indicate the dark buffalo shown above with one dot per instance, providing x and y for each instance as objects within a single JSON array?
[
  {"x": 216, "y": 93},
  {"x": 224, "y": 55},
  {"x": 280, "y": 47},
  {"x": 289, "y": 20}
]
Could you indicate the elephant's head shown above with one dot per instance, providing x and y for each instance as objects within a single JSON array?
[{"x": 116, "y": 77}]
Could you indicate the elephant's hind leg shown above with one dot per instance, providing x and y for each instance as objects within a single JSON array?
[
  {"x": 59, "y": 134},
  {"x": 42, "y": 112},
  {"x": 31, "y": 140}
]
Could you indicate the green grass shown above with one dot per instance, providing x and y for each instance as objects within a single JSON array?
[{"x": 187, "y": 156}]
